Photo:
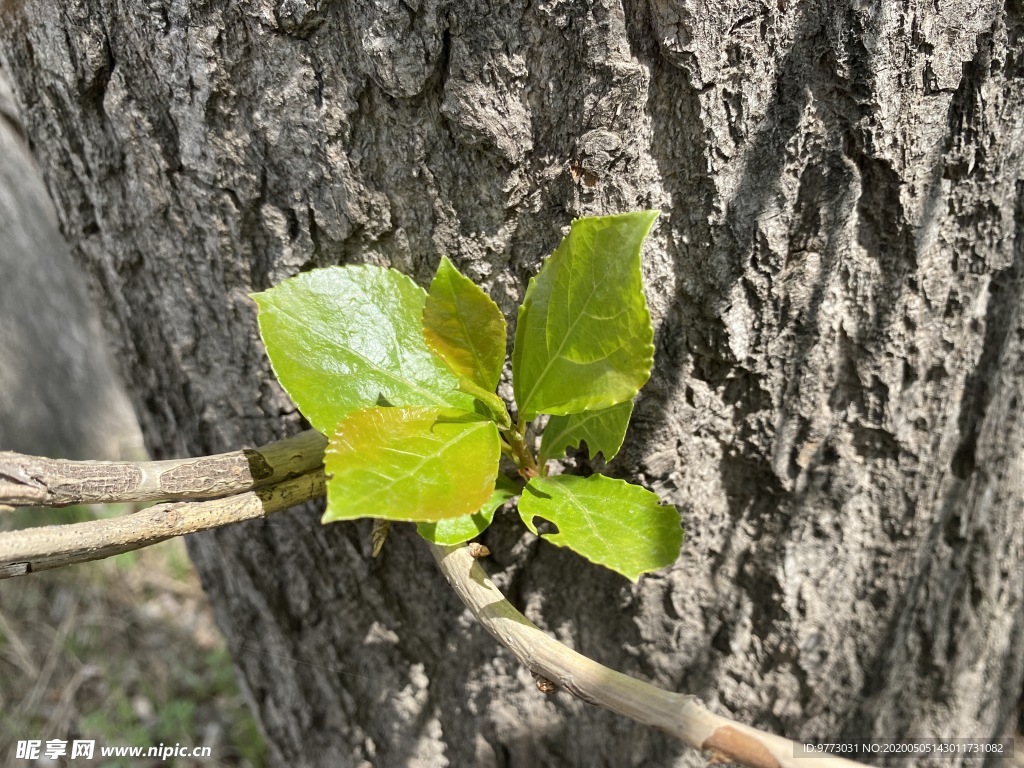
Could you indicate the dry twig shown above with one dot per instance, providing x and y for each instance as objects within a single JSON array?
[
  {"x": 36, "y": 481},
  {"x": 53, "y": 546},
  {"x": 676, "y": 714},
  {"x": 258, "y": 482}
]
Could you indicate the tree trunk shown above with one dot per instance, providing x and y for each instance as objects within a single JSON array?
[
  {"x": 58, "y": 393},
  {"x": 836, "y": 283}
]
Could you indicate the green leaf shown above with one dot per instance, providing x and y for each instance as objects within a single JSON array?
[
  {"x": 603, "y": 431},
  {"x": 610, "y": 522},
  {"x": 345, "y": 338},
  {"x": 464, "y": 328},
  {"x": 584, "y": 339},
  {"x": 414, "y": 464},
  {"x": 460, "y": 529}
]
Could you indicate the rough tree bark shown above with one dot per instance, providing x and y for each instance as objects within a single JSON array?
[{"x": 836, "y": 283}]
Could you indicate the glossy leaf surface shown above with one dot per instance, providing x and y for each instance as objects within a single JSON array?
[
  {"x": 610, "y": 522},
  {"x": 460, "y": 529},
  {"x": 584, "y": 339},
  {"x": 345, "y": 338},
  {"x": 414, "y": 464},
  {"x": 603, "y": 431},
  {"x": 464, "y": 328}
]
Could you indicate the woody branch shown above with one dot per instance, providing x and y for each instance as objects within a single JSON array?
[{"x": 209, "y": 492}]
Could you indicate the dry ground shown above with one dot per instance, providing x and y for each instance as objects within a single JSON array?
[{"x": 123, "y": 651}]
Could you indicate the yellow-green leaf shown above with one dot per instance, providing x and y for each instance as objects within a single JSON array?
[
  {"x": 414, "y": 464},
  {"x": 603, "y": 431},
  {"x": 584, "y": 339},
  {"x": 610, "y": 522},
  {"x": 464, "y": 328},
  {"x": 460, "y": 529},
  {"x": 344, "y": 338}
]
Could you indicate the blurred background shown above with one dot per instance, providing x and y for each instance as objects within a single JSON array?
[{"x": 124, "y": 651}]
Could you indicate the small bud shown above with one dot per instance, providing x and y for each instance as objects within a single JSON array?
[
  {"x": 545, "y": 686},
  {"x": 478, "y": 550},
  {"x": 379, "y": 535}
]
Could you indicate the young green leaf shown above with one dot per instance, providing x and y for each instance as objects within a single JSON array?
[
  {"x": 603, "y": 431},
  {"x": 584, "y": 339},
  {"x": 415, "y": 464},
  {"x": 460, "y": 529},
  {"x": 345, "y": 338},
  {"x": 464, "y": 328},
  {"x": 610, "y": 522}
]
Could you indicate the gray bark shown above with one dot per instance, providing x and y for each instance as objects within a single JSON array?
[{"x": 836, "y": 282}]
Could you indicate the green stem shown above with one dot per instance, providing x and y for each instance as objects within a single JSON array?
[
  {"x": 521, "y": 453},
  {"x": 494, "y": 403}
]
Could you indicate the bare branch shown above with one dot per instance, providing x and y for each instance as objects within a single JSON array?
[
  {"x": 36, "y": 481},
  {"x": 39, "y": 549},
  {"x": 242, "y": 473},
  {"x": 676, "y": 714}
]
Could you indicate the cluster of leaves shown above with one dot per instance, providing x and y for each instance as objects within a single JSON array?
[{"x": 403, "y": 384}]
